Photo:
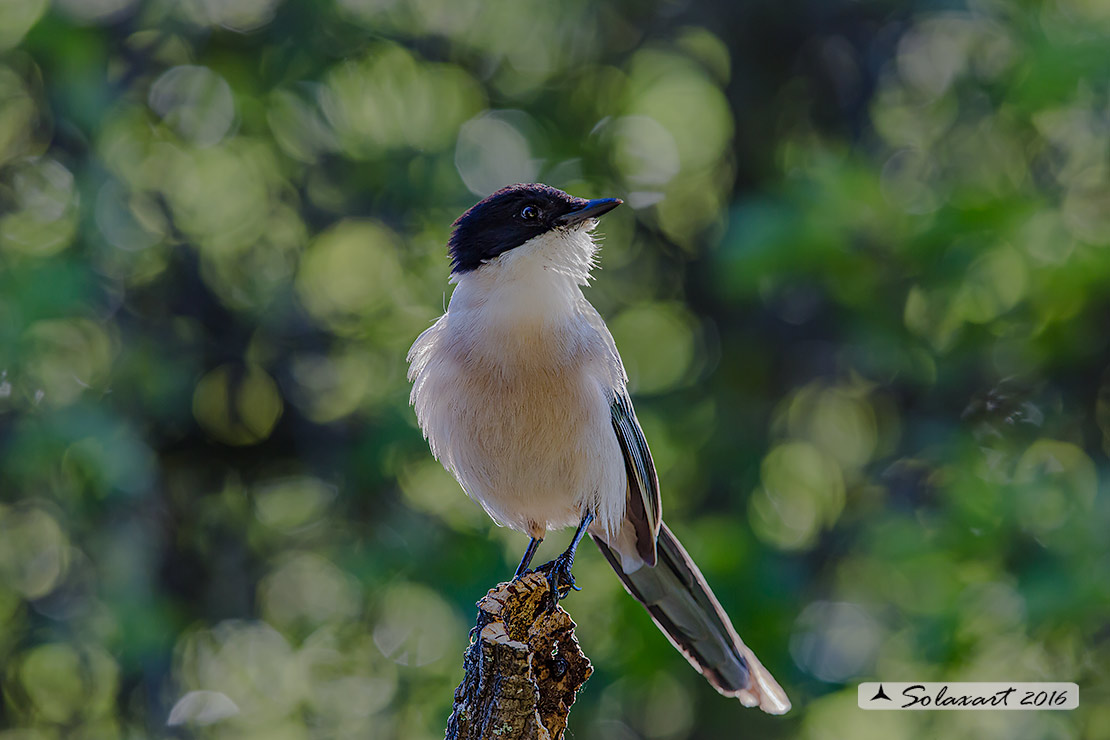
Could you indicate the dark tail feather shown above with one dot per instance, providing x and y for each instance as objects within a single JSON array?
[{"x": 676, "y": 595}]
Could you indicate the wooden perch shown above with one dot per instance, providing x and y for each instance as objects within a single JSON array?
[{"x": 523, "y": 667}]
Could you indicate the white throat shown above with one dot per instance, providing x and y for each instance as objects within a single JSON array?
[{"x": 538, "y": 282}]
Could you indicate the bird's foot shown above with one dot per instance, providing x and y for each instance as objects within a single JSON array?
[{"x": 559, "y": 576}]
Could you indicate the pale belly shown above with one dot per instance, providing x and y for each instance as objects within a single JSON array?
[{"x": 528, "y": 437}]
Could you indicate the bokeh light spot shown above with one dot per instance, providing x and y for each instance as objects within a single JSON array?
[
  {"x": 291, "y": 503},
  {"x": 802, "y": 492},
  {"x": 305, "y": 590},
  {"x": 835, "y": 641},
  {"x": 905, "y": 182},
  {"x": 668, "y": 709},
  {"x": 34, "y": 550},
  {"x": 202, "y": 708},
  {"x": 415, "y": 626},
  {"x": 1058, "y": 483},
  {"x": 95, "y": 11},
  {"x": 250, "y": 663},
  {"x": 676, "y": 93},
  {"x": 336, "y": 385},
  {"x": 237, "y": 405},
  {"x": 66, "y": 357},
  {"x": 196, "y": 102},
  {"x": 51, "y": 676},
  {"x": 17, "y": 114},
  {"x": 658, "y": 343},
  {"x": 837, "y": 716},
  {"x": 393, "y": 99},
  {"x": 235, "y": 15},
  {"x": 350, "y": 678},
  {"x": 644, "y": 151},
  {"x": 17, "y": 17},
  {"x": 429, "y": 488},
  {"x": 41, "y": 219},
  {"x": 63, "y": 684},
  {"x": 491, "y": 152},
  {"x": 994, "y": 284},
  {"x": 348, "y": 273},
  {"x": 838, "y": 421}
]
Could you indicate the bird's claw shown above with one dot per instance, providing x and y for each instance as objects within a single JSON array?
[{"x": 559, "y": 577}]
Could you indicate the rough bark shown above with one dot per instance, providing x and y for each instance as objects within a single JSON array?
[{"x": 523, "y": 667}]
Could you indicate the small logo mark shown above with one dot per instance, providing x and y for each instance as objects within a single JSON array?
[{"x": 880, "y": 694}]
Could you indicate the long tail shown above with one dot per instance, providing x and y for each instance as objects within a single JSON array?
[{"x": 681, "y": 604}]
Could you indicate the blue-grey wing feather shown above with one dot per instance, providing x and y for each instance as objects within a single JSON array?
[{"x": 644, "y": 509}]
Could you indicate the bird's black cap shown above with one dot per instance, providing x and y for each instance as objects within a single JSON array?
[{"x": 513, "y": 215}]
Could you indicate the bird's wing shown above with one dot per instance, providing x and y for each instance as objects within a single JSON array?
[{"x": 644, "y": 509}]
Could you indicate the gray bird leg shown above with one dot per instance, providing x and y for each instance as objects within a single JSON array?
[
  {"x": 559, "y": 570},
  {"x": 527, "y": 559}
]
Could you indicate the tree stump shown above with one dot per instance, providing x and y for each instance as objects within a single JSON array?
[{"x": 523, "y": 667}]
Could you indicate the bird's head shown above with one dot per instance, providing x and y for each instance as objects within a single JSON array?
[{"x": 514, "y": 216}]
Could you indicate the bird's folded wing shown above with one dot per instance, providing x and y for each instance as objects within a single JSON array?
[{"x": 644, "y": 510}]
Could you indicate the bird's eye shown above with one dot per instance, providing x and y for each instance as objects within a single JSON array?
[{"x": 529, "y": 212}]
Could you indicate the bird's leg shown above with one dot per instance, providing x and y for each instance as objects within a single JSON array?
[
  {"x": 528, "y": 555},
  {"x": 558, "y": 570}
]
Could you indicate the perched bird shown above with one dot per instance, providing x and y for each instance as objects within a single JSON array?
[{"x": 522, "y": 395}]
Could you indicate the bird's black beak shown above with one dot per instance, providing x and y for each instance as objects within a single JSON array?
[{"x": 592, "y": 209}]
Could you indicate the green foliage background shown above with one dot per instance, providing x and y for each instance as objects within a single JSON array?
[{"x": 861, "y": 287}]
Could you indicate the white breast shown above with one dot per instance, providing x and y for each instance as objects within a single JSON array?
[{"x": 512, "y": 388}]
